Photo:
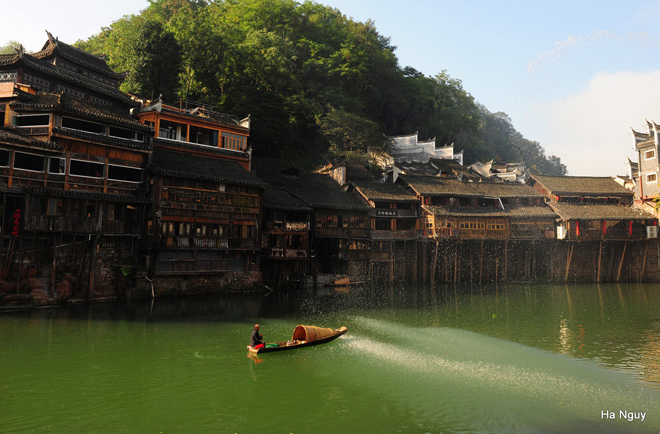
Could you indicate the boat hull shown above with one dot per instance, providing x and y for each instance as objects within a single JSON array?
[{"x": 290, "y": 345}]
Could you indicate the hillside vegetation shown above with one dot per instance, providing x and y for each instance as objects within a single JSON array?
[{"x": 317, "y": 84}]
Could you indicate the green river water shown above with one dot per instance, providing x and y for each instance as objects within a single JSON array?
[{"x": 512, "y": 359}]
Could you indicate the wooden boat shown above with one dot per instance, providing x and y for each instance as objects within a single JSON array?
[{"x": 303, "y": 336}]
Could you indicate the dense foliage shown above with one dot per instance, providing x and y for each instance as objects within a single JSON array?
[{"x": 315, "y": 83}]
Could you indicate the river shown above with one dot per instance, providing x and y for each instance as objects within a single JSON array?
[{"x": 507, "y": 359}]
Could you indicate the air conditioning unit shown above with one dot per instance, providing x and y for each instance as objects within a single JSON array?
[
  {"x": 651, "y": 232},
  {"x": 561, "y": 232}
]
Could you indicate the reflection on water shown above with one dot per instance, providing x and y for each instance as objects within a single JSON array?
[{"x": 516, "y": 358}]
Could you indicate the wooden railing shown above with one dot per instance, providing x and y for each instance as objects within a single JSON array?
[
  {"x": 287, "y": 253},
  {"x": 187, "y": 242},
  {"x": 385, "y": 235},
  {"x": 332, "y": 232},
  {"x": 80, "y": 225}
]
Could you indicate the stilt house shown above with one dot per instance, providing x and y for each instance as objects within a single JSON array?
[
  {"x": 72, "y": 171},
  {"x": 206, "y": 203},
  {"x": 286, "y": 224}
]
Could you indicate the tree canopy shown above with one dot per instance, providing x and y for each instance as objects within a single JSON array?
[{"x": 303, "y": 71}]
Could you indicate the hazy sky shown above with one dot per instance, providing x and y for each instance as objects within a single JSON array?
[{"x": 573, "y": 75}]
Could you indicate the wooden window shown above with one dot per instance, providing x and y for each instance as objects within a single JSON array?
[
  {"x": 649, "y": 154},
  {"x": 55, "y": 207},
  {"x": 42, "y": 120},
  {"x": 234, "y": 141},
  {"x": 125, "y": 133},
  {"x": 651, "y": 177},
  {"x": 5, "y": 158},
  {"x": 124, "y": 173},
  {"x": 495, "y": 225},
  {"x": 471, "y": 225},
  {"x": 88, "y": 169},
  {"x": 445, "y": 224},
  {"x": 78, "y": 124},
  {"x": 31, "y": 162},
  {"x": 57, "y": 165}
]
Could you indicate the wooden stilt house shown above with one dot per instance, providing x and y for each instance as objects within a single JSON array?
[
  {"x": 206, "y": 203},
  {"x": 394, "y": 220},
  {"x": 73, "y": 165},
  {"x": 286, "y": 224}
]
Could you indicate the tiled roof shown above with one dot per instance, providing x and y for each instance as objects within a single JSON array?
[
  {"x": 209, "y": 116},
  {"x": 415, "y": 168},
  {"x": 14, "y": 137},
  {"x": 99, "y": 138},
  {"x": 53, "y": 101},
  {"x": 283, "y": 200},
  {"x": 599, "y": 212},
  {"x": 64, "y": 74},
  {"x": 315, "y": 189},
  {"x": 385, "y": 192},
  {"x": 513, "y": 212},
  {"x": 505, "y": 189},
  {"x": 83, "y": 58},
  {"x": 447, "y": 165},
  {"x": 321, "y": 191},
  {"x": 188, "y": 166},
  {"x": 581, "y": 185},
  {"x": 543, "y": 211},
  {"x": 434, "y": 186}
]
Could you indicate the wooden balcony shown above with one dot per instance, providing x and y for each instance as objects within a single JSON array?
[
  {"x": 80, "y": 225},
  {"x": 332, "y": 232},
  {"x": 610, "y": 235},
  {"x": 206, "y": 243},
  {"x": 384, "y": 235},
  {"x": 286, "y": 253}
]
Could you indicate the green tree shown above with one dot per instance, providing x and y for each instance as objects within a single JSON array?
[
  {"x": 286, "y": 63},
  {"x": 10, "y": 48},
  {"x": 154, "y": 62},
  {"x": 351, "y": 137}
]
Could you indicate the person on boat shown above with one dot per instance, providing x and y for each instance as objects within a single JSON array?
[{"x": 257, "y": 340}]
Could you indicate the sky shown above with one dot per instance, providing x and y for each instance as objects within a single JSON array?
[{"x": 575, "y": 76}]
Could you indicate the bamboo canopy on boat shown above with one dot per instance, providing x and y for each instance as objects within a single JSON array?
[{"x": 311, "y": 333}]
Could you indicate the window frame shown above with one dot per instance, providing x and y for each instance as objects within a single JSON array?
[{"x": 103, "y": 174}]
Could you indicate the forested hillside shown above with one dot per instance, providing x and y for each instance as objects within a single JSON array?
[{"x": 316, "y": 84}]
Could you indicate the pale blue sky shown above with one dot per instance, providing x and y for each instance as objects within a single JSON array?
[{"x": 573, "y": 75}]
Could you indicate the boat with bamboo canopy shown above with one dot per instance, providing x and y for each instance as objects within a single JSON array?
[{"x": 303, "y": 336}]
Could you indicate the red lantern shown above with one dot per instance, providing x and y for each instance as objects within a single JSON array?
[
  {"x": 577, "y": 228},
  {"x": 630, "y": 227},
  {"x": 604, "y": 228}
]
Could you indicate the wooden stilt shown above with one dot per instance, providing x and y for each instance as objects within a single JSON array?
[
  {"x": 481, "y": 263},
  {"x": 646, "y": 248},
  {"x": 53, "y": 265},
  {"x": 569, "y": 257},
  {"x": 600, "y": 261},
  {"x": 506, "y": 259},
  {"x": 623, "y": 255},
  {"x": 92, "y": 266},
  {"x": 435, "y": 261},
  {"x": 456, "y": 263},
  {"x": 392, "y": 253},
  {"x": 471, "y": 267}
]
